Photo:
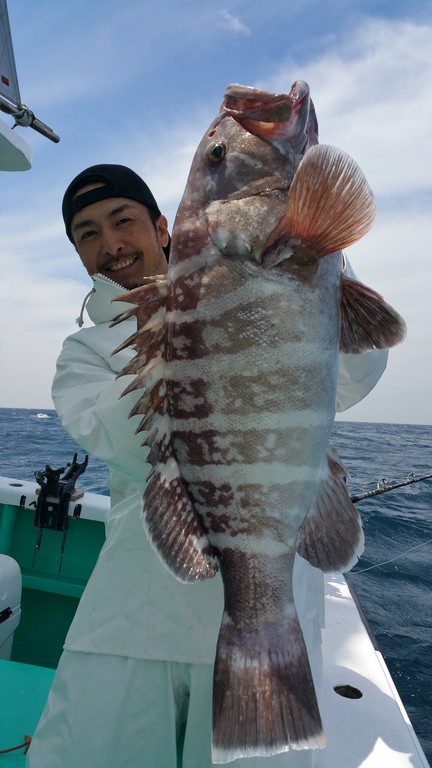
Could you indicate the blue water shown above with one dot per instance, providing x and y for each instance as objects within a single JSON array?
[
  {"x": 31, "y": 439},
  {"x": 395, "y": 596}
]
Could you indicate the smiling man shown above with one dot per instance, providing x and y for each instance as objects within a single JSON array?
[{"x": 115, "y": 224}]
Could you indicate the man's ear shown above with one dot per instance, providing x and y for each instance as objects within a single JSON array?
[{"x": 162, "y": 230}]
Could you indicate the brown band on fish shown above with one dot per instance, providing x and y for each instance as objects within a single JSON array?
[{"x": 202, "y": 446}]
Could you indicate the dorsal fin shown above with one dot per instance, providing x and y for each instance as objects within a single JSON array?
[
  {"x": 149, "y": 309},
  {"x": 170, "y": 521},
  {"x": 169, "y": 517},
  {"x": 148, "y": 341}
]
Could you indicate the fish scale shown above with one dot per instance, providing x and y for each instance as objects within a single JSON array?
[{"x": 237, "y": 363}]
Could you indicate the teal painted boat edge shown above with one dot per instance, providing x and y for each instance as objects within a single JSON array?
[{"x": 54, "y": 568}]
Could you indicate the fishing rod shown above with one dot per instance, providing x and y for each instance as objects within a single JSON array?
[
  {"x": 10, "y": 99},
  {"x": 24, "y": 116},
  {"x": 384, "y": 486}
]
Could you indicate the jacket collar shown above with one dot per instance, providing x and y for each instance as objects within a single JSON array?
[{"x": 99, "y": 302}]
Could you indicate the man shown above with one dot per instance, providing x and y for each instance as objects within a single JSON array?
[{"x": 133, "y": 687}]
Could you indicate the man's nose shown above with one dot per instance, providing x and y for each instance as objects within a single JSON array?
[{"x": 111, "y": 243}]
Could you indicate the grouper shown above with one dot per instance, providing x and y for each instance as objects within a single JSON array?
[{"x": 237, "y": 354}]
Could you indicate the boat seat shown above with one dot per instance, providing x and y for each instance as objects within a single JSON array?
[{"x": 10, "y": 602}]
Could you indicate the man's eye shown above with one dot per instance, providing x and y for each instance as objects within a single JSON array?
[
  {"x": 123, "y": 220},
  {"x": 87, "y": 234}
]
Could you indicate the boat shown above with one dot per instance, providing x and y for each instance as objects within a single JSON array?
[
  {"x": 41, "y": 581},
  {"x": 51, "y": 534},
  {"x": 49, "y": 543},
  {"x": 15, "y": 153}
]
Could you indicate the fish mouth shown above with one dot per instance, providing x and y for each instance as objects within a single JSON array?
[
  {"x": 268, "y": 115},
  {"x": 274, "y": 115},
  {"x": 244, "y": 102}
]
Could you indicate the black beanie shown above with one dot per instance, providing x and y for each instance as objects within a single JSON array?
[{"x": 118, "y": 180}]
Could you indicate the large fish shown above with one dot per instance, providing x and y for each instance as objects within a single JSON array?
[{"x": 237, "y": 356}]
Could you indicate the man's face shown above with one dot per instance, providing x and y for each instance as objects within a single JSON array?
[{"x": 117, "y": 238}]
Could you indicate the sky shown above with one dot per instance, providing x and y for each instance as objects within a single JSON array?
[{"x": 139, "y": 83}]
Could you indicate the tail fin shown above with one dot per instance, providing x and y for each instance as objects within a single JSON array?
[{"x": 264, "y": 699}]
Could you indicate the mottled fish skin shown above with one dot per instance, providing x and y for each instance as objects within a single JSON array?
[
  {"x": 250, "y": 453},
  {"x": 242, "y": 393}
]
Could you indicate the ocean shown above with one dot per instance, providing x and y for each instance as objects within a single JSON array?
[{"x": 393, "y": 579}]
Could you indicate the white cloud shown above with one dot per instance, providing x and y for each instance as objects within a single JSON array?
[
  {"x": 373, "y": 94},
  {"x": 373, "y": 97},
  {"x": 233, "y": 23},
  {"x": 394, "y": 259},
  {"x": 38, "y": 315}
]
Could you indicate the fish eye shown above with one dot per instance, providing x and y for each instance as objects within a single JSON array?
[{"x": 216, "y": 152}]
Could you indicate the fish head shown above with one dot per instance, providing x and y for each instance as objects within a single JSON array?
[
  {"x": 262, "y": 190},
  {"x": 240, "y": 177}
]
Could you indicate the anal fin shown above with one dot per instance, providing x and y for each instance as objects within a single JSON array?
[{"x": 331, "y": 537}]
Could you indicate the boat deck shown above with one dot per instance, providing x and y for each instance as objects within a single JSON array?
[
  {"x": 373, "y": 731},
  {"x": 370, "y": 731},
  {"x": 23, "y": 694}
]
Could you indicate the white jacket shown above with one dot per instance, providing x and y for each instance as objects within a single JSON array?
[{"x": 132, "y": 606}]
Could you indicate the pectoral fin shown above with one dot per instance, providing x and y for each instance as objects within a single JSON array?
[
  {"x": 330, "y": 206},
  {"x": 330, "y": 203}
]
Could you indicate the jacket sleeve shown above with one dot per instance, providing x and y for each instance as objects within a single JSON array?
[
  {"x": 358, "y": 374},
  {"x": 87, "y": 397}
]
